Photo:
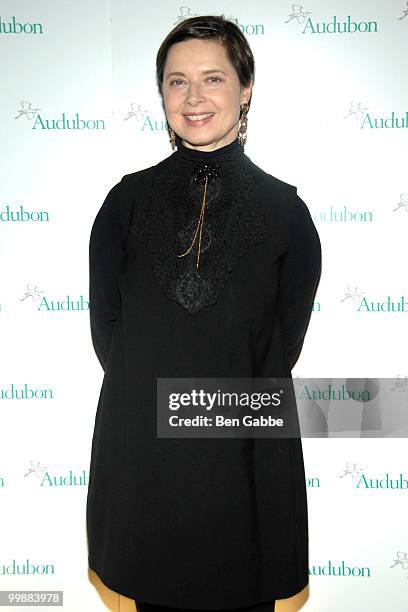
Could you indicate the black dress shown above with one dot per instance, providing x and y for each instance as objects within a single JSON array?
[{"x": 206, "y": 524}]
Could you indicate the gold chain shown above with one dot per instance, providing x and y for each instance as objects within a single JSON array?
[{"x": 200, "y": 225}]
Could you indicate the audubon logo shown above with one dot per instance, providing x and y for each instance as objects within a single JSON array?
[
  {"x": 403, "y": 203},
  {"x": 335, "y": 25},
  {"x": 352, "y": 471},
  {"x": 70, "y": 479},
  {"x": 385, "y": 481},
  {"x": 333, "y": 392},
  {"x": 43, "y": 303},
  {"x": 66, "y": 304},
  {"x": 26, "y": 568},
  {"x": 389, "y": 304},
  {"x": 145, "y": 121},
  {"x": 340, "y": 569},
  {"x": 356, "y": 111},
  {"x": 41, "y": 121},
  {"x": 21, "y": 215},
  {"x": 250, "y": 29},
  {"x": 404, "y": 13},
  {"x": 185, "y": 13},
  {"x": 31, "y": 292},
  {"x": 368, "y": 120},
  {"x": 401, "y": 561},
  {"x": 24, "y": 392},
  {"x": 354, "y": 294},
  {"x": 50, "y": 479},
  {"x": 35, "y": 469},
  {"x": 366, "y": 304},
  {"x": 12, "y": 26},
  {"x": 392, "y": 121},
  {"x": 342, "y": 215},
  {"x": 400, "y": 382},
  {"x": 313, "y": 483}
]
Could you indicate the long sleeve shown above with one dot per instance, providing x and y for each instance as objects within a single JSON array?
[
  {"x": 299, "y": 277},
  {"x": 105, "y": 256}
]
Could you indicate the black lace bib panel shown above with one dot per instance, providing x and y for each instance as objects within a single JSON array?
[{"x": 168, "y": 222}]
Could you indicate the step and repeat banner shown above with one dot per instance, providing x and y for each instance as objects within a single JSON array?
[{"x": 79, "y": 109}]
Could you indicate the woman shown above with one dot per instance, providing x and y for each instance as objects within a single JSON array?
[{"x": 201, "y": 266}]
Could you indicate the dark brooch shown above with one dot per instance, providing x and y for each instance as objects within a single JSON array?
[{"x": 204, "y": 174}]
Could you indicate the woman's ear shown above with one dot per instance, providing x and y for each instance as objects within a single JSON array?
[{"x": 246, "y": 93}]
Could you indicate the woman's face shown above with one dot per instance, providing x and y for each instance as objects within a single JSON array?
[{"x": 200, "y": 80}]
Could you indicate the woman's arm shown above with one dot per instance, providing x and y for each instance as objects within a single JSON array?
[
  {"x": 299, "y": 277},
  {"x": 105, "y": 256}
]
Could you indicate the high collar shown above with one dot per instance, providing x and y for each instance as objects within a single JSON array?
[
  {"x": 228, "y": 152},
  {"x": 168, "y": 221}
]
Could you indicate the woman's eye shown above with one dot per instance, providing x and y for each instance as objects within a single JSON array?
[{"x": 177, "y": 82}]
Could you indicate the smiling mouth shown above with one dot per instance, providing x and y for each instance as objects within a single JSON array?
[{"x": 198, "y": 117}]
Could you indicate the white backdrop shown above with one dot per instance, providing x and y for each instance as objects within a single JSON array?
[{"x": 79, "y": 109}]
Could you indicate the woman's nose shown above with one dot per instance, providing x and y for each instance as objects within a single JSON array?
[{"x": 194, "y": 93}]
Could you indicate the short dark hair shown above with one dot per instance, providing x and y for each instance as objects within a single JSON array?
[{"x": 211, "y": 27}]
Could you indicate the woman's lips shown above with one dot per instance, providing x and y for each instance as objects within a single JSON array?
[{"x": 202, "y": 119}]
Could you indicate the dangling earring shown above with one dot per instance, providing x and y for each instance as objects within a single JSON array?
[
  {"x": 243, "y": 124},
  {"x": 172, "y": 138}
]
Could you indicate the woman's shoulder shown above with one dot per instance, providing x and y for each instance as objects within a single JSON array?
[
  {"x": 146, "y": 173},
  {"x": 268, "y": 181},
  {"x": 281, "y": 199}
]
